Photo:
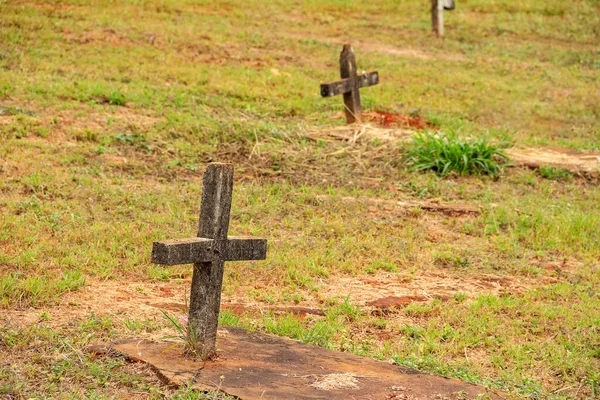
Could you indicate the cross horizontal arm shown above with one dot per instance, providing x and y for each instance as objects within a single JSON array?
[
  {"x": 345, "y": 85},
  {"x": 195, "y": 250},
  {"x": 241, "y": 249}
]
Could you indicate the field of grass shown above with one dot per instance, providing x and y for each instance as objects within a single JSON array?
[{"x": 110, "y": 111}]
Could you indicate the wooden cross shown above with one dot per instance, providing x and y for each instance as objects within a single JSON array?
[
  {"x": 350, "y": 84},
  {"x": 208, "y": 252}
]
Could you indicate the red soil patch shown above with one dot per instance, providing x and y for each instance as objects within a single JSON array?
[
  {"x": 387, "y": 120},
  {"x": 385, "y": 304}
]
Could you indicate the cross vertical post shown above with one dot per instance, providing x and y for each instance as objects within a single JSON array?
[
  {"x": 208, "y": 252},
  {"x": 207, "y": 278},
  {"x": 352, "y": 105},
  {"x": 437, "y": 17}
]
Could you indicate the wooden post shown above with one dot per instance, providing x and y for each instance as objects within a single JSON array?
[
  {"x": 348, "y": 71},
  {"x": 208, "y": 252},
  {"x": 350, "y": 84},
  {"x": 207, "y": 278},
  {"x": 437, "y": 17}
]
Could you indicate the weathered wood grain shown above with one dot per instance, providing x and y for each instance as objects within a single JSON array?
[
  {"x": 207, "y": 278},
  {"x": 208, "y": 252},
  {"x": 352, "y": 105},
  {"x": 194, "y": 250},
  {"x": 240, "y": 249},
  {"x": 181, "y": 251},
  {"x": 345, "y": 85},
  {"x": 217, "y": 190}
]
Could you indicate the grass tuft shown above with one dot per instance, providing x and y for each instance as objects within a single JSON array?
[
  {"x": 554, "y": 173},
  {"x": 446, "y": 153},
  {"x": 185, "y": 333}
]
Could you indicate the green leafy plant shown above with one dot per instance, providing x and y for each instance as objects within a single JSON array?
[
  {"x": 446, "y": 153},
  {"x": 187, "y": 335}
]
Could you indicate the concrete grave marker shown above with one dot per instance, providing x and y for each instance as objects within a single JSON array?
[
  {"x": 254, "y": 365},
  {"x": 208, "y": 252},
  {"x": 350, "y": 84}
]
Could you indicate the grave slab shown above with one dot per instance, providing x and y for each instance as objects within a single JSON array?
[{"x": 254, "y": 365}]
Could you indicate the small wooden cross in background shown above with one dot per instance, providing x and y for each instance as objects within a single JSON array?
[
  {"x": 437, "y": 15},
  {"x": 208, "y": 252},
  {"x": 350, "y": 84}
]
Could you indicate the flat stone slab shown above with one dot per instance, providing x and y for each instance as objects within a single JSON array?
[{"x": 254, "y": 365}]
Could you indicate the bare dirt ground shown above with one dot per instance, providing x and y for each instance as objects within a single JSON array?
[
  {"x": 66, "y": 123},
  {"x": 122, "y": 300},
  {"x": 572, "y": 161},
  {"x": 371, "y": 47}
]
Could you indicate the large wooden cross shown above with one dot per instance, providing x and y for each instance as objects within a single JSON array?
[
  {"x": 350, "y": 84},
  {"x": 208, "y": 252}
]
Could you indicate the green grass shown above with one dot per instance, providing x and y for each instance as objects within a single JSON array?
[
  {"x": 525, "y": 218},
  {"x": 20, "y": 290},
  {"x": 447, "y": 153},
  {"x": 514, "y": 68},
  {"x": 554, "y": 173},
  {"x": 187, "y": 334},
  {"x": 69, "y": 371},
  {"x": 109, "y": 113}
]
